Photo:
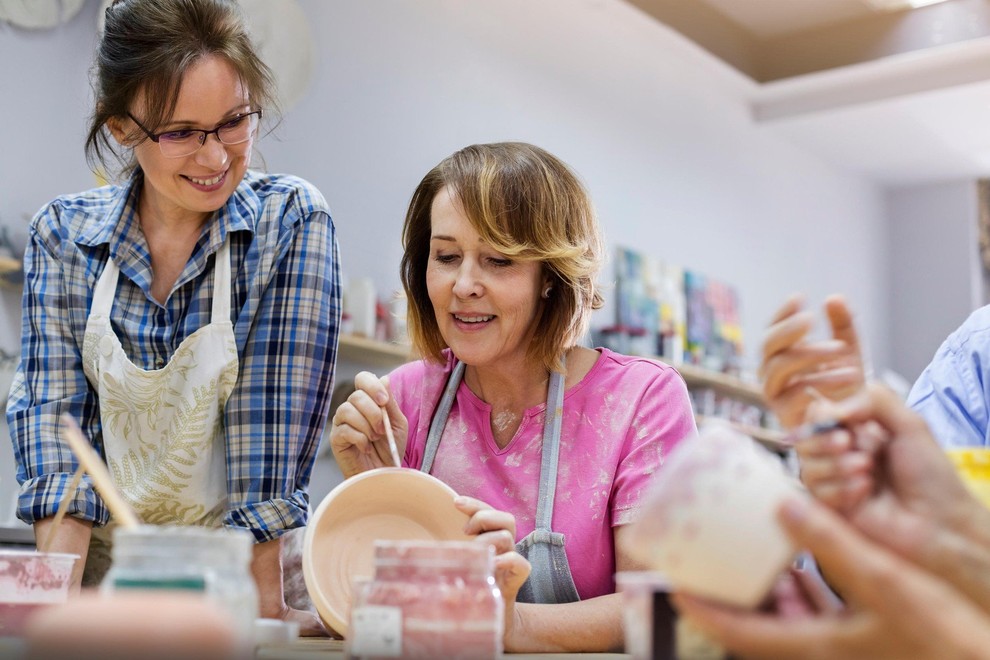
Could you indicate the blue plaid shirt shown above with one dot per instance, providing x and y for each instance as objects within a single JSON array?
[{"x": 285, "y": 309}]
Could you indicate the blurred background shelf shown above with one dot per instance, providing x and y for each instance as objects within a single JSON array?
[
  {"x": 731, "y": 386},
  {"x": 11, "y": 272},
  {"x": 769, "y": 438},
  {"x": 373, "y": 352}
]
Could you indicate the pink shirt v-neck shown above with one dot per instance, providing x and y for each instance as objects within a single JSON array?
[{"x": 619, "y": 423}]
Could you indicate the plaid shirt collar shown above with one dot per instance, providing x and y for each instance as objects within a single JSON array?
[{"x": 120, "y": 230}]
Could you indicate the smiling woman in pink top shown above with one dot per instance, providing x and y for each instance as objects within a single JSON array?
[{"x": 502, "y": 248}]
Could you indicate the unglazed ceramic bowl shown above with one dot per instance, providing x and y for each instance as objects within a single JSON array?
[
  {"x": 392, "y": 504},
  {"x": 709, "y": 521}
]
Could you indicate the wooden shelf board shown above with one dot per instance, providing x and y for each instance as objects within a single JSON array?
[
  {"x": 11, "y": 276},
  {"x": 736, "y": 388},
  {"x": 363, "y": 349},
  {"x": 769, "y": 438}
]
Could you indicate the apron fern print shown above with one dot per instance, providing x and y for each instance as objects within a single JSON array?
[{"x": 163, "y": 433}]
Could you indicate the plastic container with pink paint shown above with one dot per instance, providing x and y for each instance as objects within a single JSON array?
[{"x": 30, "y": 580}]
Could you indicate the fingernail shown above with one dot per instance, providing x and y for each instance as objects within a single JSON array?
[
  {"x": 460, "y": 499},
  {"x": 381, "y": 398},
  {"x": 794, "y": 510}
]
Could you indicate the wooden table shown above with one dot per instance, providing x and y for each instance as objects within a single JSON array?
[{"x": 333, "y": 649}]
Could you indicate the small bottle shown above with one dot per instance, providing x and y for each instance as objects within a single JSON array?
[
  {"x": 428, "y": 599},
  {"x": 360, "y": 302},
  {"x": 214, "y": 561}
]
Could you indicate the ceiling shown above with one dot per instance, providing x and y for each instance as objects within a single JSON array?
[{"x": 901, "y": 96}]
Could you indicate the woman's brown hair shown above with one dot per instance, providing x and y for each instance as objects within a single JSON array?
[
  {"x": 527, "y": 204},
  {"x": 147, "y": 47}
]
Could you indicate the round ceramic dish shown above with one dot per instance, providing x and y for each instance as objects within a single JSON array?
[{"x": 393, "y": 504}]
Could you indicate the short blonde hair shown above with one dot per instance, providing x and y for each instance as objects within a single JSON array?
[{"x": 527, "y": 204}]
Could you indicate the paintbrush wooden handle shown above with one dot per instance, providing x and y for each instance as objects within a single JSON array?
[
  {"x": 94, "y": 465},
  {"x": 392, "y": 447},
  {"x": 62, "y": 508}
]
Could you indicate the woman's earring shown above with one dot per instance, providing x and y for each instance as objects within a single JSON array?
[{"x": 546, "y": 292}]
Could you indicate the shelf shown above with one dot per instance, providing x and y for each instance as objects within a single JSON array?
[
  {"x": 16, "y": 534},
  {"x": 362, "y": 349},
  {"x": 731, "y": 386},
  {"x": 372, "y": 351},
  {"x": 11, "y": 272},
  {"x": 769, "y": 438}
]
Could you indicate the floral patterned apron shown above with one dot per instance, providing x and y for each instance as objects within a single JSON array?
[{"x": 163, "y": 434}]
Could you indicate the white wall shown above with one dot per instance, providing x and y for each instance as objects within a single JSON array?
[
  {"x": 935, "y": 262},
  {"x": 666, "y": 146},
  {"x": 669, "y": 152}
]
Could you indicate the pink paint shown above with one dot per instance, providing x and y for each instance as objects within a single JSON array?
[
  {"x": 444, "y": 598},
  {"x": 28, "y": 581},
  {"x": 14, "y": 617}
]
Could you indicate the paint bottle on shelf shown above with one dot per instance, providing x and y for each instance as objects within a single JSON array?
[{"x": 360, "y": 302}]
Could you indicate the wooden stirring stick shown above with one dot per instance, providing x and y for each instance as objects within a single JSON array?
[
  {"x": 94, "y": 465},
  {"x": 391, "y": 439},
  {"x": 62, "y": 508}
]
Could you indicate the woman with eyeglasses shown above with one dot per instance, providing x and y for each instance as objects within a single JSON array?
[{"x": 187, "y": 316}]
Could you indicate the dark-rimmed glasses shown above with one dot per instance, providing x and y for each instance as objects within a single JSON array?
[{"x": 187, "y": 141}]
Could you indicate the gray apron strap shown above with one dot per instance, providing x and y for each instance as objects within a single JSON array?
[
  {"x": 440, "y": 417},
  {"x": 551, "y": 451},
  {"x": 550, "y": 578}
]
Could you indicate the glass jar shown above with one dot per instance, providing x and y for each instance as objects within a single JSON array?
[
  {"x": 427, "y": 599},
  {"x": 214, "y": 561}
]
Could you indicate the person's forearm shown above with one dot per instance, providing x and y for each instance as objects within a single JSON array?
[
  {"x": 593, "y": 625},
  {"x": 72, "y": 536},
  {"x": 266, "y": 567}
]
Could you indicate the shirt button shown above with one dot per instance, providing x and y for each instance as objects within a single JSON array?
[{"x": 159, "y": 363}]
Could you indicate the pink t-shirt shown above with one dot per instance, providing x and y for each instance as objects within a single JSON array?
[{"x": 619, "y": 423}]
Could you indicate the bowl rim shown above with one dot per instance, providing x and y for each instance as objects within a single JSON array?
[{"x": 323, "y": 608}]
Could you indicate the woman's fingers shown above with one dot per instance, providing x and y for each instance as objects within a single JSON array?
[
  {"x": 500, "y": 539},
  {"x": 511, "y": 571},
  {"x": 373, "y": 386},
  {"x": 839, "y": 468},
  {"x": 483, "y": 518},
  {"x": 791, "y": 306},
  {"x": 840, "y": 318},
  {"x": 844, "y": 496},
  {"x": 784, "y": 334},
  {"x": 791, "y": 403},
  {"x": 818, "y": 362}
]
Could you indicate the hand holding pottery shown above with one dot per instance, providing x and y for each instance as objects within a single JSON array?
[
  {"x": 357, "y": 434},
  {"x": 498, "y": 529}
]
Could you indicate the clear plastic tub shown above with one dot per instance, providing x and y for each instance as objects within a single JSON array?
[
  {"x": 30, "y": 580},
  {"x": 214, "y": 562}
]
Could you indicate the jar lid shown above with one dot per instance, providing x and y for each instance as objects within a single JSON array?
[
  {"x": 233, "y": 544},
  {"x": 435, "y": 554}
]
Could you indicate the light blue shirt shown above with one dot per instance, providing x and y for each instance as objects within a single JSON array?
[{"x": 952, "y": 393}]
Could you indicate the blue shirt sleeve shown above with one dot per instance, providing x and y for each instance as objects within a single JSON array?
[
  {"x": 276, "y": 414},
  {"x": 951, "y": 394},
  {"x": 50, "y": 379}
]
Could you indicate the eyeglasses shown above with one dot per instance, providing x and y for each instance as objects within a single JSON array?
[{"x": 186, "y": 141}]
